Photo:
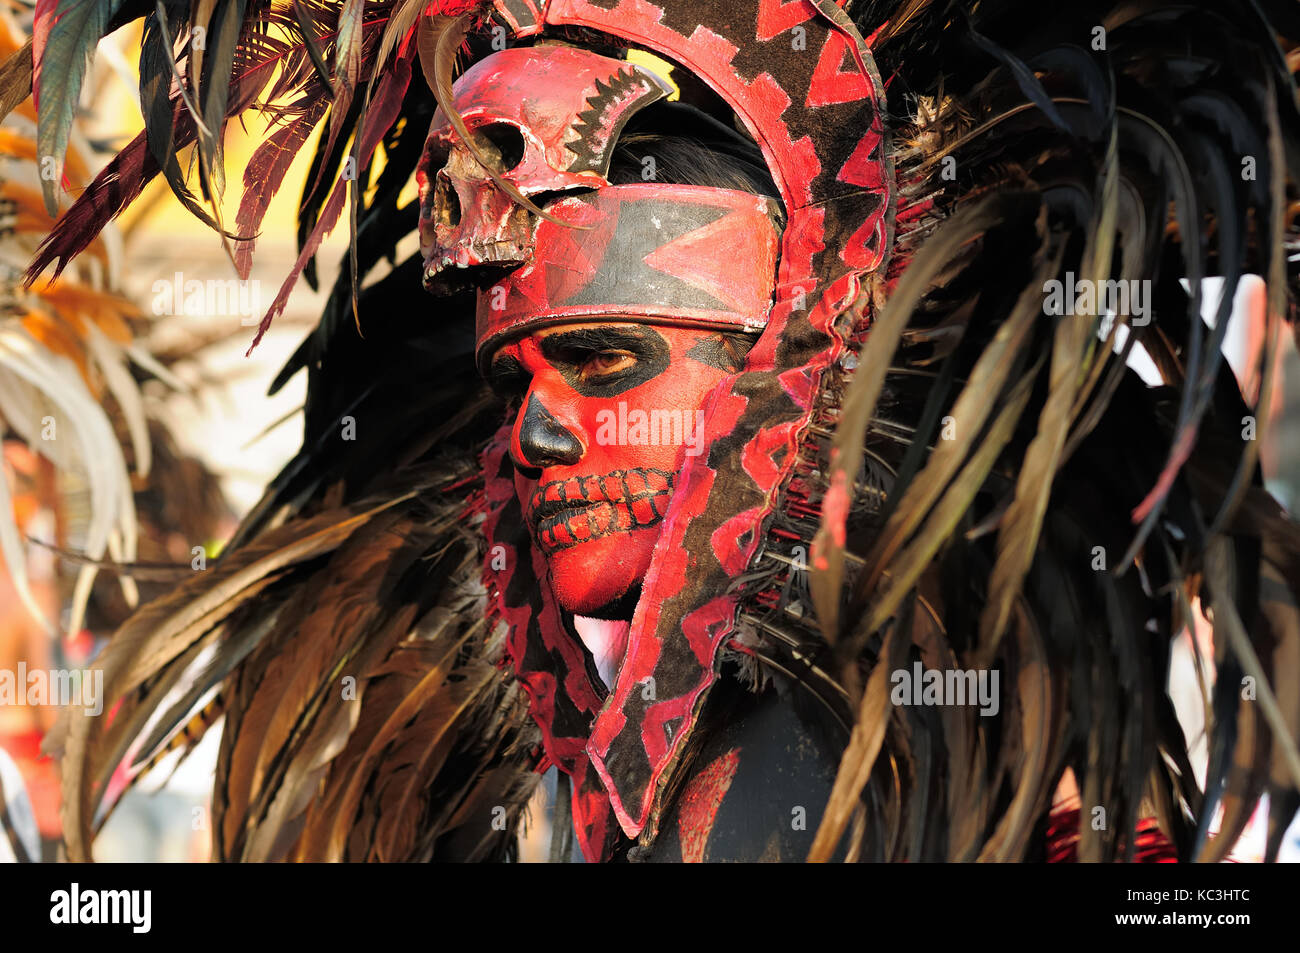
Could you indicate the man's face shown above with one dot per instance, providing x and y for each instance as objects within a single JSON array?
[{"x": 607, "y": 415}]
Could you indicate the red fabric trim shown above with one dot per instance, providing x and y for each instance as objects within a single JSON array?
[
  {"x": 1152, "y": 847},
  {"x": 700, "y": 804}
]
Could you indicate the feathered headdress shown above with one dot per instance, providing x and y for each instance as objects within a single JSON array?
[{"x": 922, "y": 444}]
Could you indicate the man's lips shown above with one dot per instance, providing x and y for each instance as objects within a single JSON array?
[
  {"x": 550, "y": 509},
  {"x": 569, "y": 512}
]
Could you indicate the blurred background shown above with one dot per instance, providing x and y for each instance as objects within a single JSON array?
[
  {"x": 215, "y": 437},
  {"x": 164, "y": 415}
]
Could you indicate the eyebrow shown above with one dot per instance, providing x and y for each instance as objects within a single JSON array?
[
  {"x": 503, "y": 371},
  {"x": 596, "y": 338}
]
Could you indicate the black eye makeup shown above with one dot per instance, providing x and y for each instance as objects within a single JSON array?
[
  {"x": 507, "y": 378},
  {"x": 602, "y": 361}
]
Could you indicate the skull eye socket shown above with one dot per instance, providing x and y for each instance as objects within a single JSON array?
[
  {"x": 436, "y": 157},
  {"x": 507, "y": 145},
  {"x": 446, "y": 203}
]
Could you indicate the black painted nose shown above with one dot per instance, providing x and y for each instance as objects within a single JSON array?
[{"x": 543, "y": 441}]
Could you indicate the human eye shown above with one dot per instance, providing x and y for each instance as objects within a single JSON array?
[
  {"x": 598, "y": 361},
  {"x": 598, "y": 366}
]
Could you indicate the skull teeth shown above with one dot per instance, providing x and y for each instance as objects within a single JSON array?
[{"x": 468, "y": 256}]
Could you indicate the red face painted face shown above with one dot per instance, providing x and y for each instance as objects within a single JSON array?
[{"x": 608, "y": 413}]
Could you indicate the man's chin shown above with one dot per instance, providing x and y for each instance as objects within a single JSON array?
[
  {"x": 600, "y": 580},
  {"x": 599, "y": 602},
  {"x": 619, "y": 609}
]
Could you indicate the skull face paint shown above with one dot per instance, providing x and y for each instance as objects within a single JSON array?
[
  {"x": 613, "y": 335},
  {"x": 607, "y": 415}
]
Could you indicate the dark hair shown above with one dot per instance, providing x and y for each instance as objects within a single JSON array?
[
  {"x": 678, "y": 159},
  {"x": 699, "y": 151}
]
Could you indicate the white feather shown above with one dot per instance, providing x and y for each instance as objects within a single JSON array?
[{"x": 96, "y": 455}]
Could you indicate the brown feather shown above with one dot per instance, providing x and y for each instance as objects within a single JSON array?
[{"x": 16, "y": 79}]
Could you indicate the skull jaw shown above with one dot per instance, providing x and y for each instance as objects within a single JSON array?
[
  {"x": 449, "y": 271},
  {"x": 465, "y": 256}
]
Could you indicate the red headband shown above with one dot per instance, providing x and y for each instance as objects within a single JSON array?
[{"x": 658, "y": 254}]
